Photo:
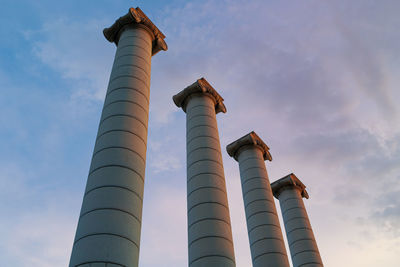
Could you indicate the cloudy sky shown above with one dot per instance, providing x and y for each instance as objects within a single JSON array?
[{"x": 317, "y": 80}]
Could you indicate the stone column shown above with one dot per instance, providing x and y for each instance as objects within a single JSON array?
[
  {"x": 303, "y": 247},
  {"x": 209, "y": 226},
  {"x": 265, "y": 235},
  {"x": 108, "y": 232}
]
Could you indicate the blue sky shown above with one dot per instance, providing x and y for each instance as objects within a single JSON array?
[{"x": 317, "y": 80}]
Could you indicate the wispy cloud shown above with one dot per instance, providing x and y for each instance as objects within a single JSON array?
[
  {"x": 78, "y": 51},
  {"x": 38, "y": 225}
]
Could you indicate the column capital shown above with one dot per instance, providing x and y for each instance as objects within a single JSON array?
[
  {"x": 201, "y": 86},
  {"x": 250, "y": 139},
  {"x": 136, "y": 18},
  {"x": 287, "y": 182}
]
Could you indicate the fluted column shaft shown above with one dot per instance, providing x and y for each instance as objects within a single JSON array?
[
  {"x": 110, "y": 220},
  {"x": 209, "y": 227},
  {"x": 303, "y": 247},
  {"x": 265, "y": 234}
]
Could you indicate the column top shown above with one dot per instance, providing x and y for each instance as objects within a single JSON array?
[
  {"x": 136, "y": 17},
  {"x": 201, "y": 86},
  {"x": 289, "y": 181},
  {"x": 250, "y": 139}
]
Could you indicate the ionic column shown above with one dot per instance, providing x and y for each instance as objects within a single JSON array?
[
  {"x": 265, "y": 235},
  {"x": 209, "y": 226},
  {"x": 108, "y": 232},
  {"x": 303, "y": 247}
]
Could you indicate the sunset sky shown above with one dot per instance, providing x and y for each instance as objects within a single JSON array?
[{"x": 318, "y": 81}]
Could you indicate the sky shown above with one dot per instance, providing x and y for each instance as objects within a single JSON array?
[{"x": 318, "y": 81}]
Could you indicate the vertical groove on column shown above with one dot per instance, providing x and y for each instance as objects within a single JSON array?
[
  {"x": 265, "y": 234},
  {"x": 303, "y": 247},
  {"x": 209, "y": 227},
  {"x": 109, "y": 226}
]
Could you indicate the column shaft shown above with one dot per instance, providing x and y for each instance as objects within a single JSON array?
[
  {"x": 302, "y": 244},
  {"x": 110, "y": 220},
  {"x": 265, "y": 234},
  {"x": 209, "y": 227}
]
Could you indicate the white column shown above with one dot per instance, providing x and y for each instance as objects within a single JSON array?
[
  {"x": 108, "y": 232},
  {"x": 265, "y": 235},
  {"x": 303, "y": 247},
  {"x": 209, "y": 226}
]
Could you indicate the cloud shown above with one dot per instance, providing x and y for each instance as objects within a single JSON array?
[
  {"x": 162, "y": 164},
  {"x": 164, "y": 231},
  {"x": 78, "y": 51},
  {"x": 37, "y": 228},
  {"x": 316, "y": 83},
  {"x": 39, "y": 238}
]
